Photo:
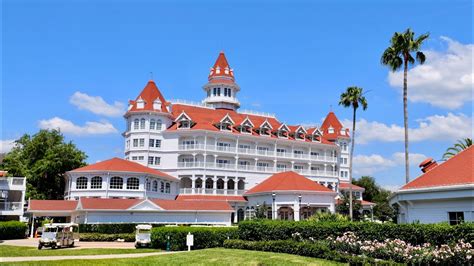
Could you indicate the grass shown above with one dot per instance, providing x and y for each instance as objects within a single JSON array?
[
  {"x": 15, "y": 251},
  {"x": 215, "y": 256}
]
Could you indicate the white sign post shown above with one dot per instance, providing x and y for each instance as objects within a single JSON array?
[{"x": 189, "y": 240}]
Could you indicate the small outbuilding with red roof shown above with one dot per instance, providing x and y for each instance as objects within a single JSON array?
[{"x": 443, "y": 193}]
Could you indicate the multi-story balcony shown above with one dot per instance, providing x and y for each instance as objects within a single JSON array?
[
  {"x": 13, "y": 183},
  {"x": 11, "y": 208},
  {"x": 258, "y": 152},
  {"x": 253, "y": 168},
  {"x": 211, "y": 191}
]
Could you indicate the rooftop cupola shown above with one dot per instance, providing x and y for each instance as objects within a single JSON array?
[{"x": 221, "y": 89}]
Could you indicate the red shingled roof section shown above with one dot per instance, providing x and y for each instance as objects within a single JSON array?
[
  {"x": 332, "y": 121},
  {"x": 185, "y": 205},
  {"x": 222, "y": 77},
  {"x": 149, "y": 94},
  {"x": 52, "y": 205},
  {"x": 287, "y": 181},
  {"x": 363, "y": 202},
  {"x": 344, "y": 186},
  {"x": 456, "y": 171},
  {"x": 206, "y": 118},
  {"x": 120, "y": 165},
  {"x": 108, "y": 204},
  {"x": 211, "y": 198}
]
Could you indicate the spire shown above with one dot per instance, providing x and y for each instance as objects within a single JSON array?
[
  {"x": 147, "y": 99},
  {"x": 221, "y": 71},
  {"x": 332, "y": 128}
]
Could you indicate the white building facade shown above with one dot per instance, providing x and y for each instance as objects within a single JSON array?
[{"x": 12, "y": 197}]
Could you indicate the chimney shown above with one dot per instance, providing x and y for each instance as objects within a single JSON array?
[{"x": 428, "y": 164}]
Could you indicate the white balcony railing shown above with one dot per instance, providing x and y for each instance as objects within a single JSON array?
[
  {"x": 12, "y": 182},
  {"x": 10, "y": 206},
  {"x": 210, "y": 191}
]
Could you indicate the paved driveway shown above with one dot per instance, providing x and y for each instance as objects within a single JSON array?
[{"x": 33, "y": 242}]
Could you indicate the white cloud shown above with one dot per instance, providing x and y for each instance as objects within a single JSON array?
[
  {"x": 66, "y": 126},
  {"x": 437, "y": 127},
  {"x": 445, "y": 80},
  {"x": 370, "y": 164},
  {"x": 6, "y": 145},
  {"x": 96, "y": 105}
]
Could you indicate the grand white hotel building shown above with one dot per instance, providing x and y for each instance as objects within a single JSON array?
[{"x": 210, "y": 153}]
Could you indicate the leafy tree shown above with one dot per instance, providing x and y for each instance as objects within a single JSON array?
[
  {"x": 261, "y": 211},
  {"x": 43, "y": 159},
  {"x": 374, "y": 193},
  {"x": 457, "y": 148},
  {"x": 396, "y": 55},
  {"x": 353, "y": 97},
  {"x": 344, "y": 207}
]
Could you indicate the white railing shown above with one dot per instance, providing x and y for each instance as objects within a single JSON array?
[
  {"x": 10, "y": 206},
  {"x": 191, "y": 103},
  {"x": 250, "y": 112},
  {"x": 211, "y": 191},
  {"x": 12, "y": 181}
]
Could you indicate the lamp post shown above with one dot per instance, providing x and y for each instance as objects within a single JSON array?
[
  {"x": 299, "y": 206},
  {"x": 273, "y": 206}
]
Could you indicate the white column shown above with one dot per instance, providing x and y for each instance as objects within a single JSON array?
[
  {"x": 235, "y": 214},
  {"x": 296, "y": 211},
  {"x": 32, "y": 226},
  {"x": 214, "y": 185}
]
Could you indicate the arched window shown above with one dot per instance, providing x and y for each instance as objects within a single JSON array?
[
  {"x": 155, "y": 186},
  {"x": 96, "y": 182},
  {"x": 133, "y": 183},
  {"x": 148, "y": 185},
  {"x": 116, "y": 182},
  {"x": 168, "y": 188},
  {"x": 136, "y": 124},
  {"x": 158, "y": 124},
  {"x": 142, "y": 123},
  {"x": 162, "y": 187},
  {"x": 81, "y": 182},
  {"x": 152, "y": 124}
]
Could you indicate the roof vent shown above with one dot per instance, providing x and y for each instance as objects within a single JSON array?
[{"x": 428, "y": 164}]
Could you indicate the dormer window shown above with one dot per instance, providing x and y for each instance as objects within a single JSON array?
[
  {"x": 343, "y": 132},
  {"x": 265, "y": 128},
  {"x": 283, "y": 131},
  {"x": 218, "y": 70},
  {"x": 300, "y": 133},
  {"x": 157, "y": 105},
  {"x": 330, "y": 130},
  {"x": 246, "y": 126},
  {"x": 140, "y": 103},
  {"x": 226, "y": 123},
  {"x": 184, "y": 124},
  {"x": 184, "y": 121}
]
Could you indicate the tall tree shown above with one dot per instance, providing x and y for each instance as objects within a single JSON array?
[
  {"x": 374, "y": 193},
  {"x": 399, "y": 53},
  {"x": 43, "y": 159},
  {"x": 457, "y": 148},
  {"x": 353, "y": 97}
]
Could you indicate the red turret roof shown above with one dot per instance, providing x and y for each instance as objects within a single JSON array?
[
  {"x": 289, "y": 182},
  {"x": 331, "y": 121},
  {"x": 121, "y": 165},
  {"x": 456, "y": 171},
  {"x": 149, "y": 94},
  {"x": 221, "y": 71}
]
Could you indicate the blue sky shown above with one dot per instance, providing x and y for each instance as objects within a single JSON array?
[{"x": 292, "y": 58}]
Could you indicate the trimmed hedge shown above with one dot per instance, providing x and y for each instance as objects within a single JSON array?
[
  {"x": 204, "y": 237},
  {"x": 12, "y": 230},
  {"x": 317, "y": 250},
  {"x": 91, "y": 237},
  {"x": 416, "y": 234}
]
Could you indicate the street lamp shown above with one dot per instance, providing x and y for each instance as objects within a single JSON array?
[
  {"x": 273, "y": 206},
  {"x": 299, "y": 198}
]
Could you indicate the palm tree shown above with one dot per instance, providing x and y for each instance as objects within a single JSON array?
[
  {"x": 457, "y": 148},
  {"x": 352, "y": 97},
  {"x": 396, "y": 55}
]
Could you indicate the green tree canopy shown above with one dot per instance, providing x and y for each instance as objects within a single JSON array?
[
  {"x": 43, "y": 159},
  {"x": 374, "y": 193}
]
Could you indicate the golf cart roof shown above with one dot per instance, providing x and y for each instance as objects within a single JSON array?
[
  {"x": 60, "y": 225},
  {"x": 143, "y": 227}
]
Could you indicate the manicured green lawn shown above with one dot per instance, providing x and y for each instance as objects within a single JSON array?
[
  {"x": 15, "y": 251},
  {"x": 216, "y": 256}
]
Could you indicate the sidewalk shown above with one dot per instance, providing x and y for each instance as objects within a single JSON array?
[{"x": 33, "y": 242}]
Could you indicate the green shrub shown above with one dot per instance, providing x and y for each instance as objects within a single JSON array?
[
  {"x": 108, "y": 228},
  {"x": 328, "y": 217},
  {"x": 12, "y": 230},
  {"x": 204, "y": 237},
  {"x": 92, "y": 237},
  {"x": 319, "y": 249},
  {"x": 412, "y": 233}
]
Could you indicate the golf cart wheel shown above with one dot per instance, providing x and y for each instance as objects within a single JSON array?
[
  {"x": 137, "y": 245},
  {"x": 40, "y": 246},
  {"x": 53, "y": 246}
]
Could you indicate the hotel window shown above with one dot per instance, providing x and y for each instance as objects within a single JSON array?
[
  {"x": 330, "y": 130},
  {"x": 262, "y": 166},
  {"x": 141, "y": 158},
  {"x": 222, "y": 162},
  {"x": 142, "y": 142},
  {"x": 142, "y": 123},
  {"x": 315, "y": 154},
  {"x": 81, "y": 182},
  {"x": 152, "y": 124},
  {"x": 96, "y": 182},
  {"x": 281, "y": 167},
  {"x": 314, "y": 168},
  {"x": 264, "y": 131},
  {"x": 158, "y": 124},
  {"x": 151, "y": 142},
  {"x": 133, "y": 183},
  {"x": 134, "y": 158},
  {"x": 244, "y": 147},
  {"x": 136, "y": 124},
  {"x": 184, "y": 124},
  {"x": 158, "y": 143},
  {"x": 135, "y": 142},
  {"x": 155, "y": 186},
  {"x": 116, "y": 182},
  {"x": 298, "y": 153},
  {"x": 223, "y": 146},
  {"x": 162, "y": 187},
  {"x": 150, "y": 160},
  {"x": 214, "y": 91},
  {"x": 298, "y": 167},
  {"x": 282, "y": 133},
  {"x": 455, "y": 217},
  {"x": 168, "y": 188},
  {"x": 218, "y": 91},
  {"x": 263, "y": 150},
  {"x": 127, "y": 144},
  {"x": 154, "y": 160},
  {"x": 148, "y": 185},
  {"x": 281, "y": 151},
  {"x": 154, "y": 143}
]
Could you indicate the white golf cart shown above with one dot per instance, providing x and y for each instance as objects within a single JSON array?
[
  {"x": 143, "y": 235},
  {"x": 57, "y": 235}
]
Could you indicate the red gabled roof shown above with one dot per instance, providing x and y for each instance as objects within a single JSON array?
[
  {"x": 362, "y": 202},
  {"x": 458, "y": 170},
  {"x": 346, "y": 186},
  {"x": 211, "y": 198},
  {"x": 149, "y": 94},
  {"x": 108, "y": 204},
  {"x": 225, "y": 75},
  {"x": 332, "y": 121},
  {"x": 52, "y": 205},
  {"x": 287, "y": 181},
  {"x": 184, "y": 205},
  {"x": 120, "y": 165}
]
